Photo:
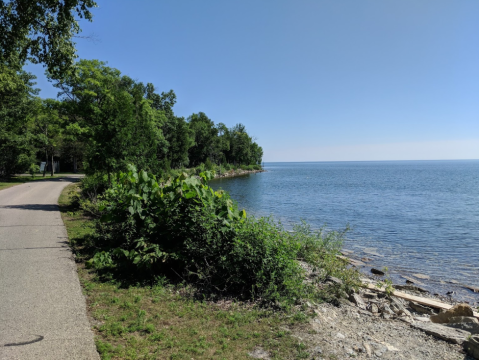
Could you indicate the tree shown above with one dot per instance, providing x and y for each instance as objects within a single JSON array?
[
  {"x": 41, "y": 31},
  {"x": 205, "y": 134},
  {"x": 112, "y": 117},
  {"x": 178, "y": 135},
  {"x": 17, "y": 104},
  {"x": 49, "y": 129}
]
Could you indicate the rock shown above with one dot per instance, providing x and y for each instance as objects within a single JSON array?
[
  {"x": 421, "y": 309},
  {"x": 410, "y": 288},
  {"x": 365, "y": 259},
  {"x": 405, "y": 312},
  {"x": 421, "y": 276},
  {"x": 471, "y": 346},
  {"x": 472, "y": 288},
  {"x": 450, "y": 293},
  {"x": 358, "y": 301},
  {"x": 396, "y": 305},
  {"x": 455, "y": 336},
  {"x": 340, "y": 336},
  {"x": 259, "y": 353},
  {"x": 374, "y": 308},
  {"x": 386, "y": 316},
  {"x": 473, "y": 328},
  {"x": 377, "y": 272},
  {"x": 385, "y": 309},
  {"x": 369, "y": 295},
  {"x": 456, "y": 310},
  {"x": 422, "y": 319},
  {"x": 463, "y": 319}
]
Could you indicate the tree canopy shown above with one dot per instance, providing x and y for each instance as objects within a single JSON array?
[{"x": 41, "y": 31}]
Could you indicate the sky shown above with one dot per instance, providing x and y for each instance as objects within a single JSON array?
[{"x": 312, "y": 80}]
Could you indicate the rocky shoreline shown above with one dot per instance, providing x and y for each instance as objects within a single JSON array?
[
  {"x": 372, "y": 324},
  {"x": 238, "y": 172},
  {"x": 446, "y": 291}
]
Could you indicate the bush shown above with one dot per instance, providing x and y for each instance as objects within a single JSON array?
[
  {"x": 34, "y": 169},
  {"x": 185, "y": 231},
  {"x": 209, "y": 165}
]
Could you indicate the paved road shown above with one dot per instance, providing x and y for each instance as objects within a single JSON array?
[{"x": 42, "y": 308}]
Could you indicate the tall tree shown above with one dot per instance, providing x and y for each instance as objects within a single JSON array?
[
  {"x": 48, "y": 128},
  {"x": 17, "y": 104},
  {"x": 205, "y": 134},
  {"x": 41, "y": 31},
  {"x": 115, "y": 120}
]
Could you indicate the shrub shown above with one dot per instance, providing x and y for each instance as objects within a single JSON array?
[
  {"x": 209, "y": 165},
  {"x": 34, "y": 169},
  {"x": 185, "y": 230}
]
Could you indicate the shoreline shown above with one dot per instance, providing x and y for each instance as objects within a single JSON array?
[
  {"x": 235, "y": 173},
  {"x": 414, "y": 283}
]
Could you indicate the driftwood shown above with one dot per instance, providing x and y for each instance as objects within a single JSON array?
[{"x": 420, "y": 300}]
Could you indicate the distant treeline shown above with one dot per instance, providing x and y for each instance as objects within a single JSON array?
[{"x": 103, "y": 120}]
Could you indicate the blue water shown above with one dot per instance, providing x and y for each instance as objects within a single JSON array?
[{"x": 411, "y": 216}]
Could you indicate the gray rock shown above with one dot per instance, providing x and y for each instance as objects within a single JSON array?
[
  {"x": 369, "y": 295},
  {"x": 473, "y": 328},
  {"x": 472, "y": 288},
  {"x": 463, "y": 319},
  {"x": 358, "y": 301},
  {"x": 421, "y": 309},
  {"x": 316, "y": 351},
  {"x": 340, "y": 336},
  {"x": 385, "y": 309},
  {"x": 456, "y": 336},
  {"x": 472, "y": 346}
]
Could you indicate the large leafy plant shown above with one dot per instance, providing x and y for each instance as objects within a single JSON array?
[{"x": 149, "y": 225}]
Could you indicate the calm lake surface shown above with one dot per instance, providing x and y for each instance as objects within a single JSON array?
[{"x": 411, "y": 216}]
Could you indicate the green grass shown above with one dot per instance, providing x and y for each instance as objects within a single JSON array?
[{"x": 165, "y": 322}]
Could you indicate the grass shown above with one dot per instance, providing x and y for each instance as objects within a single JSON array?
[{"x": 164, "y": 322}]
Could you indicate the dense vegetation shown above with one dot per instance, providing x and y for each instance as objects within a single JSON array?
[{"x": 104, "y": 120}]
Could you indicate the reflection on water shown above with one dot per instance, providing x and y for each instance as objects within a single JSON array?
[{"x": 412, "y": 216}]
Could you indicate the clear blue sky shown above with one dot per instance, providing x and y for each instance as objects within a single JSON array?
[{"x": 311, "y": 80}]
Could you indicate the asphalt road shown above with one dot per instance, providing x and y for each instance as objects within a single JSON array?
[{"x": 42, "y": 308}]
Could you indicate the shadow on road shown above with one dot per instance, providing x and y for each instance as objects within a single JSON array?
[{"x": 41, "y": 207}]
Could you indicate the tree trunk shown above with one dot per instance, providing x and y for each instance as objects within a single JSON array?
[
  {"x": 75, "y": 164},
  {"x": 46, "y": 164},
  {"x": 52, "y": 163}
]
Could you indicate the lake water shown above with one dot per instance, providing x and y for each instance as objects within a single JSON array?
[{"x": 411, "y": 216}]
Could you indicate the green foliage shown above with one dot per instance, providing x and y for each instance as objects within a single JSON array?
[
  {"x": 110, "y": 115},
  {"x": 17, "y": 107},
  {"x": 33, "y": 169},
  {"x": 41, "y": 31},
  {"x": 186, "y": 231}
]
